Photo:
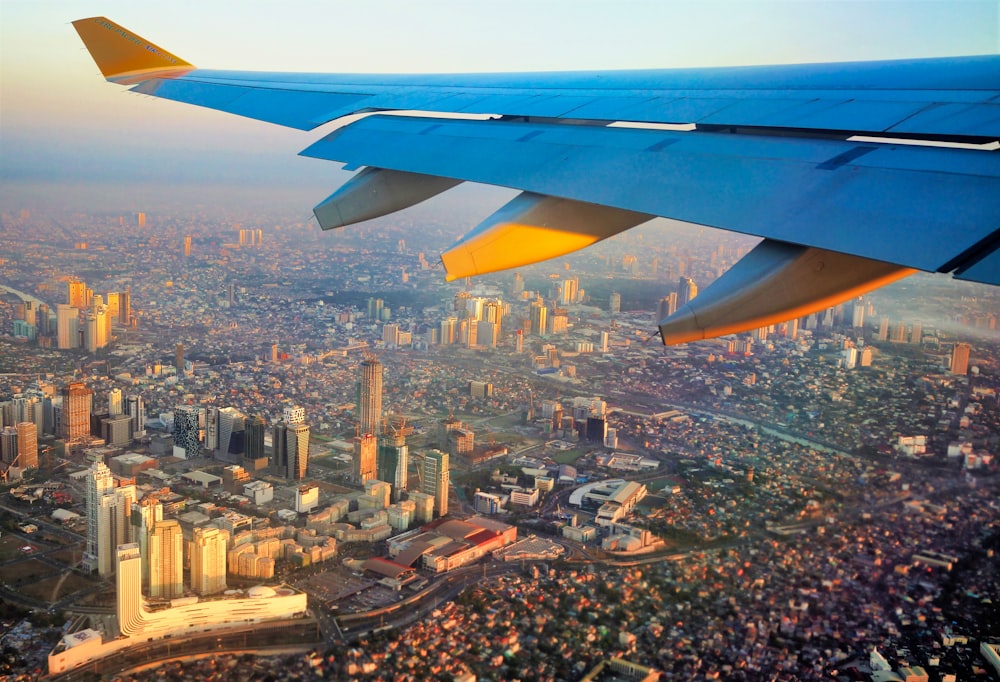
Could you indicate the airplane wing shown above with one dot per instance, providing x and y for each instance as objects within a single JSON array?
[{"x": 854, "y": 174}]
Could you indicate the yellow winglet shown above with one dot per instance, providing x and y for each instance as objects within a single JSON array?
[{"x": 123, "y": 57}]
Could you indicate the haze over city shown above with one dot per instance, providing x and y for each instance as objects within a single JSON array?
[{"x": 235, "y": 446}]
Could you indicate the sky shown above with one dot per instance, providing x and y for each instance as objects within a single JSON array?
[{"x": 62, "y": 125}]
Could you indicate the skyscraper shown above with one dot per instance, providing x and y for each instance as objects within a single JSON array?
[
  {"x": 883, "y": 329},
  {"x": 189, "y": 431},
  {"x": 365, "y": 457},
  {"x": 539, "y": 318},
  {"x": 179, "y": 358},
  {"x": 76, "y": 408},
  {"x": 290, "y": 450},
  {"x": 115, "y": 406},
  {"x": 125, "y": 307},
  {"x": 137, "y": 411},
  {"x": 858, "y": 313},
  {"x": 67, "y": 327},
  {"x": 494, "y": 312},
  {"x": 960, "y": 358},
  {"x": 99, "y": 485},
  {"x": 436, "y": 479},
  {"x": 208, "y": 560},
  {"x": 145, "y": 513},
  {"x": 615, "y": 303},
  {"x": 27, "y": 445},
  {"x": 687, "y": 290},
  {"x": 449, "y": 331},
  {"x": 667, "y": 306},
  {"x": 76, "y": 294},
  {"x": 166, "y": 560},
  {"x": 108, "y": 516},
  {"x": 297, "y": 445},
  {"x": 370, "y": 396},
  {"x": 392, "y": 463},
  {"x": 254, "y": 457},
  {"x": 571, "y": 286},
  {"x": 230, "y": 434},
  {"x": 279, "y": 449}
]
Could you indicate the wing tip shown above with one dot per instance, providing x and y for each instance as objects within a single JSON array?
[{"x": 124, "y": 57}]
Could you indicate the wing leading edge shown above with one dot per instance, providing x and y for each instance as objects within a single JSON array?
[{"x": 854, "y": 174}]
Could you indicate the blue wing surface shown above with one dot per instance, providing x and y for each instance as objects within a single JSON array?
[{"x": 817, "y": 155}]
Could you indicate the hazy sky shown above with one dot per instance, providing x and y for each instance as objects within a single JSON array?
[{"x": 60, "y": 122}]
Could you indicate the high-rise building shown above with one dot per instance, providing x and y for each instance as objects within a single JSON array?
[
  {"x": 494, "y": 311},
  {"x": 858, "y": 313},
  {"x": 43, "y": 322},
  {"x": 108, "y": 515},
  {"x": 100, "y": 484},
  {"x": 189, "y": 431},
  {"x": 137, "y": 413},
  {"x": 166, "y": 560},
  {"x": 112, "y": 303},
  {"x": 570, "y": 287},
  {"x": 90, "y": 334},
  {"x": 208, "y": 560},
  {"x": 8, "y": 445},
  {"x": 290, "y": 450},
  {"x": 279, "y": 449},
  {"x": 436, "y": 479},
  {"x": 27, "y": 445},
  {"x": 791, "y": 329},
  {"x": 539, "y": 318},
  {"x": 390, "y": 335},
  {"x": 187, "y": 246},
  {"x": 67, "y": 327},
  {"x": 76, "y": 294},
  {"x": 145, "y": 513},
  {"x": 117, "y": 431},
  {"x": 365, "y": 457},
  {"x": 254, "y": 457},
  {"x": 615, "y": 303},
  {"x": 76, "y": 409},
  {"x": 687, "y": 290},
  {"x": 179, "y": 358},
  {"x": 125, "y": 307},
  {"x": 897, "y": 333},
  {"x": 297, "y": 446},
  {"x": 449, "y": 331},
  {"x": 392, "y": 463},
  {"x": 667, "y": 306},
  {"x": 115, "y": 405},
  {"x": 883, "y": 329},
  {"x": 211, "y": 428},
  {"x": 960, "y": 358},
  {"x": 487, "y": 334},
  {"x": 370, "y": 396},
  {"x": 230, "y": 434}
]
